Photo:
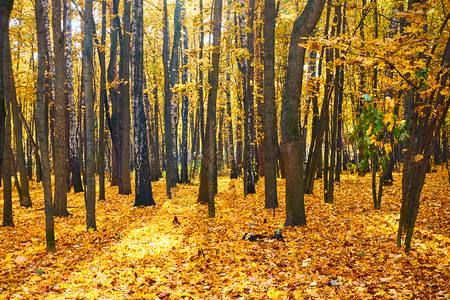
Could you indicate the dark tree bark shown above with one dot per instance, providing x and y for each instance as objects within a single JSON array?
[
  {"x": 44, "y": 98},
  {"x": 247, "y": 71},
  {"x": 124, "y": 99},
  {"x": 230, "y": 150},
  {"x": 34, "y": 146},
  {"x": 88, "y": 72},
  {"x": 60, "y": 156},
  {"x": 201, "y": 109},
  {"x": 103, "y": 101},
  {"x": 10, "y": 93},
  {"x": 340, "y": 97},
  {"x": 143, "y": 188},
  {"x": 338, "y": 93},
  {"x": 5, "y": 115},
  {"x": 416, "y": 158},
  {"x": 220, "y": 141},
  {"x": 114, "y": 120},
  {"x": 170, "y": 79},
  {"x": 74, "y": 154},
  {"x": 184, "y": 178},
  {"x": 291, "y": 139},
  {"x": 270, "y": 108},
  {"x": 156, "y": 166},
  {"x": 153, "y": 160},
  {"x": 207, "y": 187}
]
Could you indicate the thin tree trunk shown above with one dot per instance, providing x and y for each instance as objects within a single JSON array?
[
  {"x": 270, "y": 109},
  {"x": 114, "y": 95},
  {"x": 416, "y": 157},
  {"x": 60, "y": 156},
  {"x": 207, "y": 172},
  {"x": 44, "y": 98},
  {"x": 124, "y": 98},
  {"x": 88, "y": 71},
  {"x": 74, "y": 155},
  {"x": 103, "y": 101},
  {"x": 184, "y": 111},
  {"x": 5, "y": 116},
  {"x": 10, "y": 92}
]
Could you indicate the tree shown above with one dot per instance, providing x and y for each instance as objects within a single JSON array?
[
  {"x": 88, "y": 72},
  {"x": 245, "y": 65},
  {"x": 5, "y": 116},
  {"x": 60, "y": 156},
  {"x": 270, "y": 109},
  {"x": 44, "y": 98},
  {"x": 184, "y": 178},
  {"x": 171, "y": 66},
  {"x": 207, "y": 172},
  {"x": 114, "y": 119},
  {"x": 429, "y": 115},
  {"x": 11, "y": 98},
  {"x": 291, "y": 141},
  {"x": 124, "y": 98},
  {"x": 143, "y": 188},
  {"x": 74, "y": 153},
  {"x": 103, "y": 102}
]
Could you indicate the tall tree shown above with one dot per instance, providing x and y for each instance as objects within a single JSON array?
[
  {"x": 143, "y": 188},
  {"x": 338, "y": 94},
  {"x": 114, "y": 119},
  {"x": 246, "y": 68},
  {"x": 11, "y": 96},
  {"x": 171, "y": 71},
  {"x": 88, "y": 72},
  {"x": 429, "y": 115},
  {"x": 60, "y": 156},
  {"x": 124, "y": 98},
  {"x": 270, "y": 108},
  {"x": 74, "y": 154},
  {"x": 44, "y": 98},
  {"x": 291, "y": 140},
  {"x": 5, "y": 116},
  {"x": 184, "y": 178},
  {"x": 102, "y": 104},
  {"x": 207, "y": 187},
  {"x": 201, "y": 114}
]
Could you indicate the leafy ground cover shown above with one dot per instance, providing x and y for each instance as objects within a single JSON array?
[{"x": 173, "y": 250}]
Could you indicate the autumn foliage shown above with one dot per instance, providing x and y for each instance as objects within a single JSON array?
[{"x": 347, "y": 250}]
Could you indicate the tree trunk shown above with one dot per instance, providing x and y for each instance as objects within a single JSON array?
[
  {"x": 103, "y": 101},
  {"x": 270, "y": 108},
  {"x": 417, "y": 154},
  {"x": 201, "y": 114},
  {"x": 5, "y": 115},
  {"x": 124, "y": 99},
  {"x": 170, "y": 79},
  {"x": 88, "y": 72},
  {"x": 303, "y": 27},
  {"x": 207, "y": 171},
  {"x": 44, "y": 98},
  {"x": 74, "y": 155},
  {"x": 10, "y": 93},
  {"x": 156, "y": 166},
  {"x": 184, "y": 111},
  {"x": 114, "y": 95},
  {"x": 143, "y": 188},
  {"x": 320, "y": 130},
  {"x": 60, "y": 156}
]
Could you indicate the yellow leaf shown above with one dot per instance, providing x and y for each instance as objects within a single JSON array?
[{"x": 274, "y": 294}]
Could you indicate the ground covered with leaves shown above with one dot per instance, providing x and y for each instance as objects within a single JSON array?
[{"x": 173, "y": 250}]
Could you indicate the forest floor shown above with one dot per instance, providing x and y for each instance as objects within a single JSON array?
[{"x": 347, "y": 250}]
